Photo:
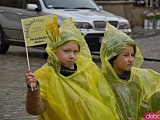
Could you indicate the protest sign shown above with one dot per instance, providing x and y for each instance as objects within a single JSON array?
[{"x": 34, "y": 29}]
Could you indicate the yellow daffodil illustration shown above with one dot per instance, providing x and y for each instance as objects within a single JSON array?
[{"x": 52, "y": 30}]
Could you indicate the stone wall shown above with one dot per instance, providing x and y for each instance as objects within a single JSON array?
[
  {"x": 134, "y": 14},
  {"x": 118, "y": 8}
]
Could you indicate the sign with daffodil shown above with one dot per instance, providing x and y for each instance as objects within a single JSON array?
[{"x": 40, "y": 30}]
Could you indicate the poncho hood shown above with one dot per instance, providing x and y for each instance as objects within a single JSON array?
[
  {"x": 59, "y": 36},
  {"x": 114, "y": 41}
]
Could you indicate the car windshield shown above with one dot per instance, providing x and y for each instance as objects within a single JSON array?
[{"x": 71, "y": 4}]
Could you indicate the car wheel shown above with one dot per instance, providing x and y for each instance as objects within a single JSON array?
[{"x": 3, "y": 45}]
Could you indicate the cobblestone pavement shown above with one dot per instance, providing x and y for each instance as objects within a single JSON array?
[{"x": 13, "y": 66}]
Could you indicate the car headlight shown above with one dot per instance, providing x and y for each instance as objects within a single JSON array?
[
  {"x": 83, "y": 25},
  {"x": 124, "y": 26}
]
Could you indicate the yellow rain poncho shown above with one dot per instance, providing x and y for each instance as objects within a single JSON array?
[
  {"x": 84, "y": 95},
  {"x": 141, "y": 93}
]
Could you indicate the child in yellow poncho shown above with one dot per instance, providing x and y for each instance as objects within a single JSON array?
[
  {"x": 69, "y": 86},
  {"x": 136, "y": 90}
]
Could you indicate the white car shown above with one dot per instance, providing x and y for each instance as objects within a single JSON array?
[{"x": 88, "y": 17}]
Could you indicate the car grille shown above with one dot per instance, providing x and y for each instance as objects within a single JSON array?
[
  {"x": 102, "y": 24},
  {"x": 99, "y": 24}
]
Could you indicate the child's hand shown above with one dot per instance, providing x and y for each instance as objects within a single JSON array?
[{"x": 30, "y": 79}]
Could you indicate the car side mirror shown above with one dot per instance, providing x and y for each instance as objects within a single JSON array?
[{"x": 32, "y": 7}]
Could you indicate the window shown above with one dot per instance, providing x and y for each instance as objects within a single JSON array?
[
  {"x": 64, "y": 4},
  {"x": 12, "y": 3}
]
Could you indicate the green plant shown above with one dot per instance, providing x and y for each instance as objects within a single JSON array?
[
  {"x": 157, "y": 15},
  {"x": 150, "y": 16}
]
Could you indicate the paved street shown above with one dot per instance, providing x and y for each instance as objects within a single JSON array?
[
  {"x": 148, "y": 42},
  {"x": 13, "y": 66}
]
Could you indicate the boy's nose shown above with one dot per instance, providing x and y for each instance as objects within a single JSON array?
[
  {"x": 71, "y": 55},
  {"x": 131, "y": 58}
]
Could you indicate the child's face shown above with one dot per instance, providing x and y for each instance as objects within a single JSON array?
[
  {"x": 124, "y": 60},
  {"x": 67, "y": 54}
]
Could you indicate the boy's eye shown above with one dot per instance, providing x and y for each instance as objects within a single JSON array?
[
  {"x": 66, "y": 51},
  {"x": 75, "y": 52},
  {"x": 126, "y": 55},
  {"x": 133, "y": 54}
]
